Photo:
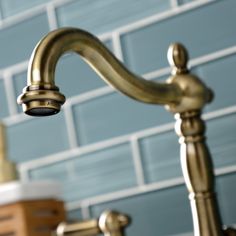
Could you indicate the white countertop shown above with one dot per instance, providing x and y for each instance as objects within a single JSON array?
[{"x": 21, "y": 191}]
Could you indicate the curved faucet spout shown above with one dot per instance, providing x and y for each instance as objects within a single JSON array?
[{"x": 42, "y": 97}]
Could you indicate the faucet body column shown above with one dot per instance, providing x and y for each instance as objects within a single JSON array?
[{"x": 198, "y": 174}]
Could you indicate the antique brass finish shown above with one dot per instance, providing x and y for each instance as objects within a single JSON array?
[
  {"x": 83, "y": 228},
  {"x": 183, "y": 94},
  {"x": 42, "y": 97},
  {"x": 198, "y": 174},
  {"x": 110, "y": 223},
  {"x": 8, "y": 170}
]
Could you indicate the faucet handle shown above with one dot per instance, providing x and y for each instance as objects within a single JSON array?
[
  {"x": 112, "y": 223},
  {"x": 178, "y": 58}
]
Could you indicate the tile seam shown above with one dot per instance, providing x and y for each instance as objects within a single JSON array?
[
  {"x": 69, "y": 154},
  {"x": 157, "y": 186},
  {"x": 10, "y": 94},
  {"x": 51, "y": 14},
  {"x": 137, "y": 161}
]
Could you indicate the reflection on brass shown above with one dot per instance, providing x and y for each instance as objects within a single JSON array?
[
  {"x": 110, "y": 223},
  {"x": 8, "y": 170},
  {"x": 183, "y": 94}
]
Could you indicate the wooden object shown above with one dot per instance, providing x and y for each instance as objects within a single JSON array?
[{"x": 31, "y": 218}]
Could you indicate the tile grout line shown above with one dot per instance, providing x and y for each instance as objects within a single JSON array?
[
  {"x": 126, "y": 193},
  {"x": 212, "y": 56},
  {"x": 161, "y": 16},
  {"x": 10, "y": 94},
  {"x": 114, "y": 141},
  {"x": 20, "y": 17},
  {"x": 1, "y": 14},
  {"x": 23, "y": 175},
  {"x": 85, "y": 211},
  {"x": 43, "y": 8},
  {"x": 123, "y": 29},
  {"x": 70, "y": 126},
  {"x": 51, "y": 14},
  {"x": 90, "y": 95},
  {"x": 137, "y": 160},
  {"x": 151, "y": 187},
  {"x": 117, "y": 46},
  {"x": 219, "y": 113},
  {"x": 174, "y": 3}
]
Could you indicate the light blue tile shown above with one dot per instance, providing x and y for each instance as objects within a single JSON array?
[
  {"x": 74, "y": 215},
  {"x": 222, "y": 140},
  {"x": 145, "y": 49},
  {"x": 4, "y": 112},
  {"x": 12, "y": 7},
  {"x": 19, "y": 82},
  {"x": 101, "y": 172},
  {"x": 218, "y": 76},
  {"x": 161, "y": 157},
  {"x": 113, "y": 115},
  {"x": 18, "y": 41},
  {"x": 74, "y": 76},
  {"x": 227, "y": 195},
  {"x": 56, "y": 172},
  {"x": 165, "y": 212},
  {"x": 182, "y": 2},
  {"x": 37, "y": 137},
  {"x": 104, "y": 15}
]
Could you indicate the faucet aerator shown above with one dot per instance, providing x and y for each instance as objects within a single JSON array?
[{"x": 41, "y": 101}]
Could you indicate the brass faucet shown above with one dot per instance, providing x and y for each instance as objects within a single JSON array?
[
  {"x": 109, "y": 223},
  {"x": 183, "y": 94}
]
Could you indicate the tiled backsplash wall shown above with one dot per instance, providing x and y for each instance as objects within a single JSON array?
[{"x": 108, "y": 150}]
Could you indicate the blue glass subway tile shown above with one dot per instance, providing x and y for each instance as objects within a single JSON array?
[
  {"x": 182, "y": 2},
  {"x": 56, "y": 172},
  {"x": 4, "y": 112},
  {"x": 74, "y": 215},
  {"x": 165, "y": 212},
  {"x": 101, "y": 172},
  {"x": 145, "y": 49},
  {"x": 74, "y": 76},
  {"x": 18, "y": 41},
  {"x": 19, "y": 82},
  {"x": 12, "y": 7},
  {"x": 104, "y": 15},
  {"x": 113, "y": 115},
  {"x": 218, "y": 76},
  {"x": 227, "y": 194},
  {"x": 37, "y": 137},
  {"x": 160, "y": 157},
  {"x": 221, "y": 136}
]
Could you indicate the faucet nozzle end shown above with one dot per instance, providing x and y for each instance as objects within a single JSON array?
[{"x": 41, "y": 101}]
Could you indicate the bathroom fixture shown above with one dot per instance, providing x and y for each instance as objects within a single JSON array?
[
  {"x": 182, "y": 94},
  {"x": 110, "y": 223},
  {"x": 8, "y": 171}
]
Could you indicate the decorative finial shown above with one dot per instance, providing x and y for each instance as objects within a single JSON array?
[{"x": 178, "y": 58}]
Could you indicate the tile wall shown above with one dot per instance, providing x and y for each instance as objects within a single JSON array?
[{"x": 109, "y": 151}]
